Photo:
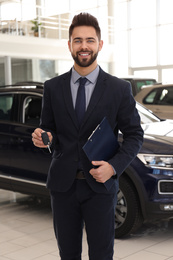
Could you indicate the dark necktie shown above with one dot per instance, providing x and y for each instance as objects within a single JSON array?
[{"x": 80, "y": 100}]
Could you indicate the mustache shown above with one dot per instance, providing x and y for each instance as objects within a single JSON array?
[{"x": 87, "y": 51}]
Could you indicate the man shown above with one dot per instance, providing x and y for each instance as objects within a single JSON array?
[{"x": 83, "y": 191}]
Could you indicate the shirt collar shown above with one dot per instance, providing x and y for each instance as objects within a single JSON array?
[{"x": 92, "y": 77}]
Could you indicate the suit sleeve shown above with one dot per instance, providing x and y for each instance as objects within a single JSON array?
[
  {"x": 47, "y": 121},
  {"x": 129, "y": 124}
]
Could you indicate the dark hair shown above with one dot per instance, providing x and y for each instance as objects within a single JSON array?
[{"x": 85, "y": 19}]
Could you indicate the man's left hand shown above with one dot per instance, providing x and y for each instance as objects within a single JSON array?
[{"x": 103, "y": 172}]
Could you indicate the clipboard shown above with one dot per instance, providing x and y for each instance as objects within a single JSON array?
[{"x": 102, "y": 143}]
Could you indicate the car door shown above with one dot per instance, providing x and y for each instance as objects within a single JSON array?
[
  {"x": 7, "y": 116},
  {"x": 29, "y": 164},
  {"x": 160, "y": 101}
]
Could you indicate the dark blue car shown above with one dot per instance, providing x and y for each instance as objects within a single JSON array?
[{"x": 146, "y": 186}]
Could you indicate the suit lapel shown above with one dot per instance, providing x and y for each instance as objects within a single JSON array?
[
  {"x": 97, "y": 94},
  {"x": 68, "y": 98}
]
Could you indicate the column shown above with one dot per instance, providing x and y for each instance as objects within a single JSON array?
[
  {"x": 111, "y": 65},
  {"x": 8, "y": 70},
  {"x": 36, "y": 70}
]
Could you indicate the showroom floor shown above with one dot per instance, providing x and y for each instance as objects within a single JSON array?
[{"x": 26, "y": 233}]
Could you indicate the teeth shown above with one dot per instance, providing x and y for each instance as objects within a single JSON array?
[{"x": 83, "y": 54}]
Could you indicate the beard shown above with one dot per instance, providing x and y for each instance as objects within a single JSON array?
[{"x": 85, "y": 62}]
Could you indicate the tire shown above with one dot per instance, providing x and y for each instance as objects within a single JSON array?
[{"x": 128, "y": 216}]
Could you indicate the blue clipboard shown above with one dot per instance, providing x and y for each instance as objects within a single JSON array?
[{"x": 102, "y": 143}]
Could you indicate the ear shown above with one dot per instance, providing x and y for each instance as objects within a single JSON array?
[
  {"x": 69, "y": 46},
  {"x": 100, "y": 45}
]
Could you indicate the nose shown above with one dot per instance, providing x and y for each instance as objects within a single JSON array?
[{"x": 84, "y": 44}]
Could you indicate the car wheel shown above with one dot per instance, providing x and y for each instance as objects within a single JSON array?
[{"x": 128, "y": 217}]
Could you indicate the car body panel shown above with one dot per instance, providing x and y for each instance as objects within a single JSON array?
[{"x": 24, "y": 166}]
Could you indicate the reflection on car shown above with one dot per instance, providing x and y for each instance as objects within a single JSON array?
[{"x": 146, "y": 186}]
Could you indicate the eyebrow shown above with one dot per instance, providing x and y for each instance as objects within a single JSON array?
[{"x": 79, "y": 38}]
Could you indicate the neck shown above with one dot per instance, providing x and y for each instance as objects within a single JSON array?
[{"x": 83, "y": 71}]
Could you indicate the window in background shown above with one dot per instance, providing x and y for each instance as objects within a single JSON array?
[
  {"x": 28, "y": 9},
  {"x": 107, "y": 26},
  {"x": 10, "y": 11},
  {"x": 147, "y": 74},
  {"x": 121, "y": 54},
  {"x": 143, "y": 47},
  {"x": 166, "y": 43},
  {"x": 61, "y": 66},
  {"x": 121, "y": 38},
  {"x": 53, "y": 7},
  {"x": 167, "y": 75},
  {"x": 120, "y": 17},
  {"x": 42, "y": 70},
  {"x": 83, "y": 5},
  {"x": 166, "y": 7},
  {"x": 21, "y": 70},
  {"x": 143, "y": 13},
  {"x": 46, "y": 69},
  {"x": 18, "y": 11},
  {"x": 86, "y": 6}
]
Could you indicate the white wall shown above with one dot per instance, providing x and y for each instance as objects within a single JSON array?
[{"x": 43, "y": 48}]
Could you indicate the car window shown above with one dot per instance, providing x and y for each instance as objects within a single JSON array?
[
  {"x": 160, "y": 96},
  {"x": 140, "y": 83},
  {"x": 32, "y": 110},
  {"x": 137, "y": 84},
  {"x": 6, "y": 102},
  {"x": 151, "y": 97},
  {"x": 166, "y": 97}
]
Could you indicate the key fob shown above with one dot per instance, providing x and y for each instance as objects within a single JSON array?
[{"x": 45, "y": 138}]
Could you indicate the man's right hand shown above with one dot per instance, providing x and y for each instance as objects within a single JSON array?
[{"x": 37, "y": 139}]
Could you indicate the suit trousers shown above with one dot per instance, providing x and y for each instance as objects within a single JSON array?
[{"x": 78, "y": 207}]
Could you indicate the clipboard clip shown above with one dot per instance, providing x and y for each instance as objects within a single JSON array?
[{"x": 98, "y": 127}]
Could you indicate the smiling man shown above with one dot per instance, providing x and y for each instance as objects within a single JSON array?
[
  {"x": 84, "y": 192},
  {"x": 85, "y": 50}
]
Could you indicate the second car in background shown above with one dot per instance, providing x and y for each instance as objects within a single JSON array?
[
  {"x": 137, "y": 83},
  {"x": 157, "y": 98}
]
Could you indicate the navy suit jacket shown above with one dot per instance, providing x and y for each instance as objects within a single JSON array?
[{"x": 112, "y": 97}]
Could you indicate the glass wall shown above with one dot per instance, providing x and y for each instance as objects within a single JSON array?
[
  {"x": 167, "y": 75},
  {"x": 141, "y": 31},
  {"x": 23, "y": 10},
  {"x": 21, "y": 70},
  {"x": 37, "y": 70},
  {"x": 149, "y": 26}
]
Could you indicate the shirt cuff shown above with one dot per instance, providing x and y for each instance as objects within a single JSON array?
[{"x": 114, "y": 170}]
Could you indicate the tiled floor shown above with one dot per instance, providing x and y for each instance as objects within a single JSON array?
[{"x": 26, "y": 233}]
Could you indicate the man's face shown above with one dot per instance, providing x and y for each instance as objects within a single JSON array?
[{"x": 84, "y": 45}]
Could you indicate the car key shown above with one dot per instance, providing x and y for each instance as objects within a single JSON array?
[{"x": 46, "y": 140}]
